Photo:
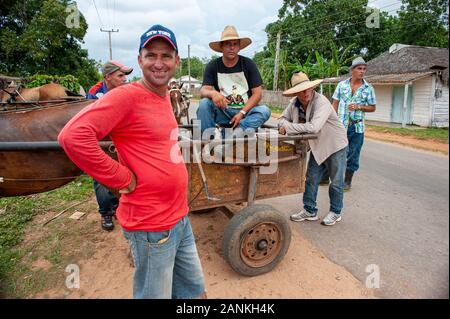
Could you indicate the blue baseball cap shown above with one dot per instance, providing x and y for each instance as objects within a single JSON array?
[{"x": 158, "y": 31}]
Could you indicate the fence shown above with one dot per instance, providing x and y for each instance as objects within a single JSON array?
[{"x": 275, "y": 99}]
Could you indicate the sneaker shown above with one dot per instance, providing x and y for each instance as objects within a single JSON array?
[
  {"x": 303, "y": 215},
  {"x": 107, "y": 222},
  {"x": 331, "y": 219}
]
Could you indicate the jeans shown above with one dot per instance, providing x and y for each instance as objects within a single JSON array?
[
  {"x": 107, "y": 202},
  {"x": 210, "y": 115},
  {"x": 355, "y": 143},
  {"x": 335, "y": 164},
  {"x": 166, "y": 263}
]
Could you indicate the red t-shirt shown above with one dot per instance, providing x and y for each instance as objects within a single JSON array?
[{"x": 144, "y": 130}]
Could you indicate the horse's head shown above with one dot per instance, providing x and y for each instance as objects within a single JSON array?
[
  {"x": 8, "y": 94},
  {"x": 180, "y": 103}
]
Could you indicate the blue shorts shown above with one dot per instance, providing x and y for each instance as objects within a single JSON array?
[{"x": 166, "y": 263}]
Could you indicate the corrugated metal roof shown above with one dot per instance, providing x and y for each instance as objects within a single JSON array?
[{"x": 384, "y": 78}]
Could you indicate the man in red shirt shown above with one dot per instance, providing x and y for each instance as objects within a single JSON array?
[
  {"x": 114, "y": 75},
  {"x": 150, "y": 175}
]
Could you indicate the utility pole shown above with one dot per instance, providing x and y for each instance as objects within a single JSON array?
[
  {"x": 109, "y": 34},
  {"x": 189, "y": 67},
  {"x": 277, "y": 56}
]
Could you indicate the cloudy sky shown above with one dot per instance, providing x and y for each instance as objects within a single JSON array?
[{"x": 195, "y": 23}]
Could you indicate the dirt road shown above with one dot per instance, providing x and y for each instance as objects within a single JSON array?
[{"x": 304, "y": 272}]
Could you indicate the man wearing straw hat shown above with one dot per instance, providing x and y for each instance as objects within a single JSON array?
[
  {"x": 351, "y": 100},
  {"x": 311, "y": 112},
  {"x": 231, "y": 88}
]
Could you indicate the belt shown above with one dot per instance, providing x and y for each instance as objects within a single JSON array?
[{"x": 351, "y": 122}]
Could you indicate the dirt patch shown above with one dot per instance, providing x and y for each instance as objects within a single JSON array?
[
  {"x": 423, "y": 144},
  {"x": 304, "y": 272}
]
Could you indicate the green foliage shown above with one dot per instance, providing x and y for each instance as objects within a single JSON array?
[
  {"x": 68, "y": 81},
  {"x": 424, "y": 23},
  {"x": 322, "y": 68},
  {"x": 35, "y": 38},
  {"x": 321, "y": 37},
  {"x": 433, "y": 133},
  {"x": 197, "y": 67}
]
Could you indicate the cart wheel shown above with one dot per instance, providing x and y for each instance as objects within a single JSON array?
[{"x": 256, "y": 240}]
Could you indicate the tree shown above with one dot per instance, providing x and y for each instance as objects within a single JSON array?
[
  {"x": 35, "y": 38},
  {"x": 424, "y": 22},
  {"x": 197, "y": 68},
  {"x": 323, "y": 36}
]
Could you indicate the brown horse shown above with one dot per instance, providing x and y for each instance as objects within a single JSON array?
[
  {"x": 180, "y": 102},
  {"x": 27, "y": 172},
  {"x": 46, "y": 92},
  {"x": 35, "y": 171}
]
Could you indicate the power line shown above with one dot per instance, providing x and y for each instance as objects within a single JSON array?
[
  {"x": 114, "y": 13},
  {"x": 335, "y": 22},
  {"x": 311, "y": 22},
  {"x": 98, "y": 15},
  {"x": 323, "y": 31}
]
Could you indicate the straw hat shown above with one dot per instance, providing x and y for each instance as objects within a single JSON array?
[
  {"x": 229, "y": 33},
  {"x": 300, "y": 82}
]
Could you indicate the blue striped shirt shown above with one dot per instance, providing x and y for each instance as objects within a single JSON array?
[{"x": 364, "y": 95}]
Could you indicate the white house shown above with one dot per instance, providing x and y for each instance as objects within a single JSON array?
[
  {"x": 418, "y": 73},
  {"x": 195, "y": 84}
]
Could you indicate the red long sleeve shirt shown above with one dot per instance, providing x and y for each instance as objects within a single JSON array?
[{"x": 144, "y": 131}]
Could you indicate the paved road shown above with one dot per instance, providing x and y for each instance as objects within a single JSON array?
[{"x": 396, "y": 217}]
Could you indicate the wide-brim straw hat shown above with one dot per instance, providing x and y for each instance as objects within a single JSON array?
[
  {"x": 230, "y": 33},
  {"x": 300, "y": 82}
]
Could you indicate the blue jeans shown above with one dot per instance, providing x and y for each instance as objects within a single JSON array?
[
  {"x": 210, "y": 115},
  {"x": 335, "y": 165},
  {"x": 166, "y": 263},
  {"x": 107, "y": 202},
  {"x": 355, "y": 143}
]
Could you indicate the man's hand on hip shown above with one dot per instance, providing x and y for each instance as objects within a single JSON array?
[{"x": 130, "y": 188}]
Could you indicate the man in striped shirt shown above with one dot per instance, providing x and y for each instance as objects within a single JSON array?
[{"x": 351, "y": 100}]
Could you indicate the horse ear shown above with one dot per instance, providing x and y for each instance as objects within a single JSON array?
[{"x": 182, "y": 83}]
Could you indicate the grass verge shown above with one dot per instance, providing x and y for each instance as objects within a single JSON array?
[
  {"x": 435, "y": 134},
  {"x": 21, "y": 217}
]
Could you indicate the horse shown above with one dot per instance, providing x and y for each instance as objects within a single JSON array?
[
  {"x": 46, "y": 92},
  {"x": 180, "y": 102},
  {"x": 25, "y": 172},
  {"x": 31, "y": 171}
]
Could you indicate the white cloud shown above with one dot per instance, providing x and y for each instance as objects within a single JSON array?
[{"x": 195, "y": 23}]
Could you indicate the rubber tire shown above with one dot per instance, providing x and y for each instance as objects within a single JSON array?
[{"x": 240, "y": 224}]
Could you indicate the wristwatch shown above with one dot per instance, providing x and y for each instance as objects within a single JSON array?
[{"x": 243, "y": 112}]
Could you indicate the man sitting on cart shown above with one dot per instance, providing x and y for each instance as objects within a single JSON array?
[
  {"x": 311, "y": 112},
  {"x": 228, "y": 76}
]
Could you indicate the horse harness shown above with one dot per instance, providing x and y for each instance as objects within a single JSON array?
[{"x": 13, "y": 95}]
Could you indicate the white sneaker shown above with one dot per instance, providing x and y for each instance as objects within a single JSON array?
[
  {"x": 303, "y": 215},
  {"x": 331, "y": 219}
]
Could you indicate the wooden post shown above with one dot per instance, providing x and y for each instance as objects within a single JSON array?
[
  {"x": 405, "y": 105},
  {"x": 277, "y": 56}
]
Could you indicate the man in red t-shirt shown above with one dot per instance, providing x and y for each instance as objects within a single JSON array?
[
  {"x": 114, "y": 75},
  {"x": 150, "y": 174}
]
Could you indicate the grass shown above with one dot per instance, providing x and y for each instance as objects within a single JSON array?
[
  {"x": 16, "y": 216},
  {"x": 435, "y": 134},
  {"x": 275, "y": 109}
]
